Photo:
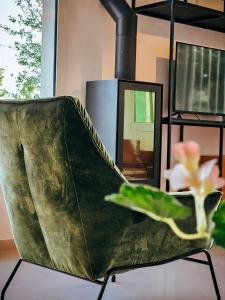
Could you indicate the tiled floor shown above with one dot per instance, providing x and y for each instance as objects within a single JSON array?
[{"x": 180, "y": 280}]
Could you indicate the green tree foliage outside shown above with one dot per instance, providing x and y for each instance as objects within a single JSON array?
[
  {"x": 26, "y": 28},
  {"x": 3, "y": 92}
]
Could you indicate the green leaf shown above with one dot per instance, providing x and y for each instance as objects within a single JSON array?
[
  {"x": 219, "y": 215},
  {"x": 219, "y": 236},
  {"x": 219, "y": 230},
  {"x": 149, "y": 199}
]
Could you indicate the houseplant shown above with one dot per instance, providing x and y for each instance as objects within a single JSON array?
[{"x": 201, "y": 181}]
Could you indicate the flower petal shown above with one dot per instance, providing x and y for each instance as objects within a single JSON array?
[
  {"x": 192, "y": 156},
  {"x": 178, "y": 176},
  {"x": 220, "y": 182},
  {"x": 192, "y": 149},
  {"x": 206, "y": 169},
  {"x": 187, "y": 153},
  {"x": 179, "y": 152},
  {"x": 214, "y": 179}
]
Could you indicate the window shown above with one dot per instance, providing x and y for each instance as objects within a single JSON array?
[{"x": 25, "y": 26}]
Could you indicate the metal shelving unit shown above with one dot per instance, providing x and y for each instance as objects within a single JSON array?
[
  {"x": 193, "y": 15},
  {"x": 185, "y": 13}
]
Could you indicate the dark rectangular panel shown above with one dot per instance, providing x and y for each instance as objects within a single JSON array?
[
  {"x": 139, "y": 141},
  {"x": 101, "y": 104}
]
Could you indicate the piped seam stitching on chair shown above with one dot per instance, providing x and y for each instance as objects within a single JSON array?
[
  {"x": 75, "y": 190},
  {"x": 38, "y": 219},
  {"x": 18, "y": 125},
  {"x": 28, "y": 183},
  {"x": 31, "y": 101},
  {"x": 105, "y": 155}
]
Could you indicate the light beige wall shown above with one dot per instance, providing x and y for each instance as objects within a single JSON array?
[
  {"x": 86, "y": 36},
  {"x": 86, "y": 52},
  {"x": 5, "y": 230}
]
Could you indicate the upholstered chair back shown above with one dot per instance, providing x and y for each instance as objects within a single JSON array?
[{"x": 55, "y": 173}]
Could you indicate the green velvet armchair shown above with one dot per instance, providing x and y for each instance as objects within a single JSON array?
[{"x": 55, "y": 173}]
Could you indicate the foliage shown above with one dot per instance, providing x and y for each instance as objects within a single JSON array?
[
  {"x": 160, "y": 206},
  {"x": 157, "y": 205},
  {"x": 26, "y": 29},
  {"x": 148, "y": 199},
  {"x": 219, "y": 220},
  {"x": 3, "y": 92}
]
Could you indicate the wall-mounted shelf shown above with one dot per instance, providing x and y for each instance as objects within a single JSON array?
[
  {"x": 186, "y": 13},
  {"x": 194, "y": 15},
  {"x": 194, "y": 122}
]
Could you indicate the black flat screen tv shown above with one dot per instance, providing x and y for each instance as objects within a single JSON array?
[{"x": 200, "y": 80}]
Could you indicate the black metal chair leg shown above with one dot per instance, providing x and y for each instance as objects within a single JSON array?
[
  {"x": 106, "y": 279},
  {"x": 212, "y": 274},
  {"x": 10, "y": 279},
  {"x": 112, "y": 272}
]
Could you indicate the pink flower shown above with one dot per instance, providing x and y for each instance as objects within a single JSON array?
[
  {"x": 213, "y": 181},
  {"x": 187, "y": 173},
  {"x": 178, "y": 177},
  {"x": 188, "y": 154}
]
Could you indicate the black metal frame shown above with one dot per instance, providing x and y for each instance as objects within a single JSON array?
[
  {"x": 157, "y": 88},
  {"x": 113, "y": 271},
  {"x": 126, "y": 35},
  {"x": 55, "y": 46},
  {"x": 170, "y": 88},
  {"x": 179, "y": 111},
  {"x": 203, "y": 123},
  {"x": 171, "y": 120},
  {"x": 207, "y": 19}
]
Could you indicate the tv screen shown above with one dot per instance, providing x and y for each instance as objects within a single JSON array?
[{"x": 200, "y": 80}]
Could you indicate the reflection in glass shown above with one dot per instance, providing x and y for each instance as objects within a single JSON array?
[
  {"x": 138, "y": 136},
  {"x": 200, "y": 74},
  {"x": 144, "y": 107}
]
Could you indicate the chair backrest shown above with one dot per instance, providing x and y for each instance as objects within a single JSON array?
[{"x": 55, "y": 173}]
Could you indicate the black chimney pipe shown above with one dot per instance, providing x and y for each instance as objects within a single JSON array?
[{"x": 126, "y": 36}]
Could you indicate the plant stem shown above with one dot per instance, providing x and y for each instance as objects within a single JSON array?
[
  {"x": 200, "y": 212},
  {"x": 183, "y": 235},
  {"x": 174, "y": 227}
]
